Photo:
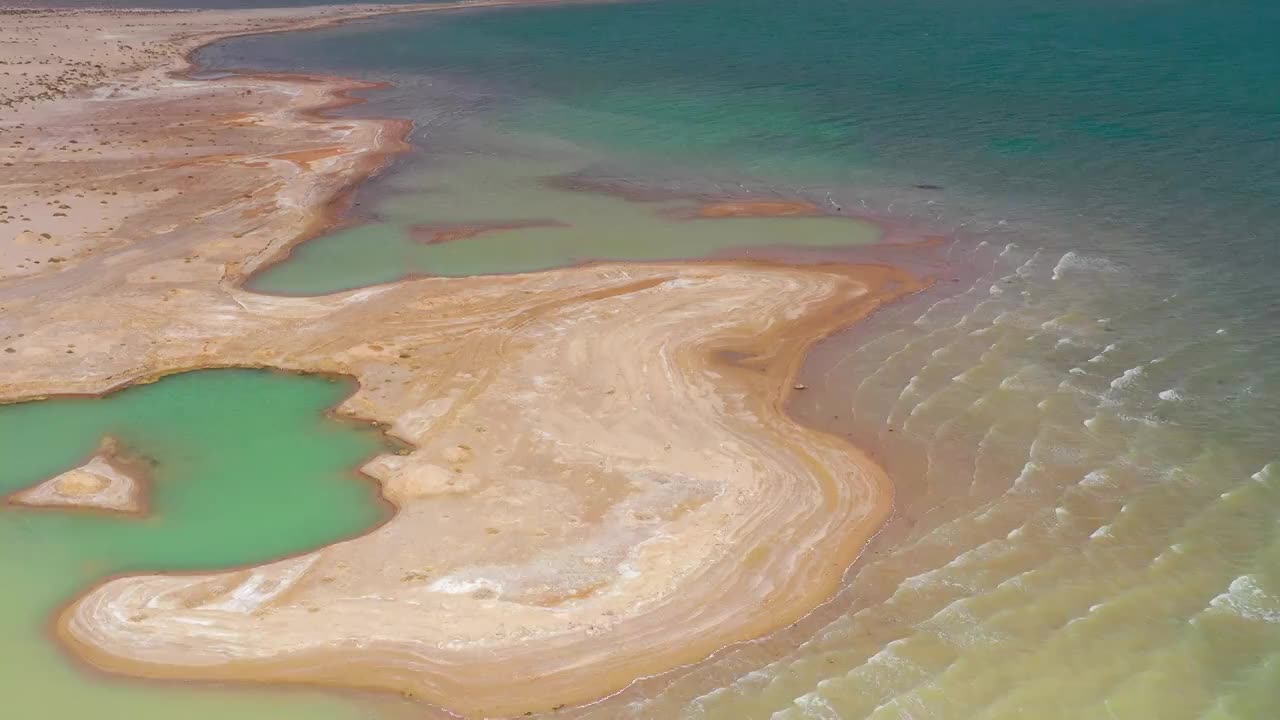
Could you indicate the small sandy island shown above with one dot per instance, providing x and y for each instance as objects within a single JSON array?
[
  {"x": 109, "y": 481},
  {"x": 600, "y": 482}
]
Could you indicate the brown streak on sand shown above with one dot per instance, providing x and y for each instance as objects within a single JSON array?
[
  {"x": 592, "y": 493},
  {"x": 439, "y": 233}
]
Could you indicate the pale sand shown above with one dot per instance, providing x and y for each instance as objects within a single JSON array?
[
  {"x": 51, "y": 55},
  {"x": 594, "y": 492},
  {"x": 106, "y": 482}
]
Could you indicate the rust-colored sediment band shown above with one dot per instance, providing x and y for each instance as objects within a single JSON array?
[
  {"x": 440, "y": 233},
  {"x": 591, "y": 494}
]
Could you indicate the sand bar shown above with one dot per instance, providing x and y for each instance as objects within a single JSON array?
[{"x": 601, "y": 482}]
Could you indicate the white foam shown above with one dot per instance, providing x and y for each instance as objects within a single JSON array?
[
  {"x": 1094, "y": 478},
  {"x": 1081, "y": 263},
  {"x": 812, "y": 705},
  {"x": 1127, "y": 378},
  {"x": 1172, "y": 395},
  {"x": 1245, "y": 598},
  {"x": 1102, "y": 355},
  {"x": 1028, "y": 468},
  {"x": 1024, "y": 269},
  {"x": 1147, "y": 420}
]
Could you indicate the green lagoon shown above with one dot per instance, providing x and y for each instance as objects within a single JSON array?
[
  {"x": 581, "y": 226},
  {"x": 247, "y": 468}
]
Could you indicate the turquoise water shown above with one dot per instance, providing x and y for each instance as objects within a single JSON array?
[{"x": 1125, "y": 112}]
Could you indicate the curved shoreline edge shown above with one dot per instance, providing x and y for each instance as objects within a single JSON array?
[{"x": 590, "y": 498}]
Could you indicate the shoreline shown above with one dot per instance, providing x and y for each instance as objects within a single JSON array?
[{"x": 341, "y": 322}]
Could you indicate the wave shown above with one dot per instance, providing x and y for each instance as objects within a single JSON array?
[
  {"x": 1245, "y": 598},
  {"x": 1075, "y": 262}
]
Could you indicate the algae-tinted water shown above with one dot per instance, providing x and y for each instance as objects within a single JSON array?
[{"x": 246, "y": 468}]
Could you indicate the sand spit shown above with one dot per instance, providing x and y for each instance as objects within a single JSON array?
[
  {"x": 601, "y": 483},
  {"x": 592, "y": 496}
]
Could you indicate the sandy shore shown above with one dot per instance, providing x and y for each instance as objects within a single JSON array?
[{"x": 601, "y": 484}]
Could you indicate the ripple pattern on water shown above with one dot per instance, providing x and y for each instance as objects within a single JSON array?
[{"x": 1067, "y": 543}]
